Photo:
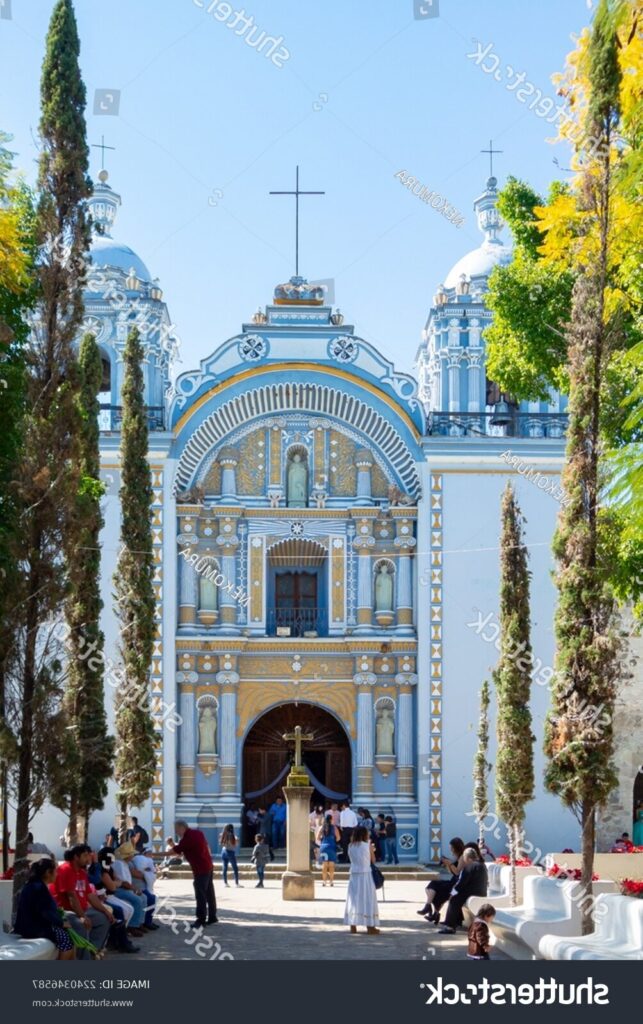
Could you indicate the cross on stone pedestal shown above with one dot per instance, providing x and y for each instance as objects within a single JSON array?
[{"x": 299, "y": 737}]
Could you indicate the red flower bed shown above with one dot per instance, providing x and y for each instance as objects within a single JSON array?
[
  {"x": 573, "y": 874},
  {"x": 630, "y": 887},
  {"x": 521, "y": 862}
]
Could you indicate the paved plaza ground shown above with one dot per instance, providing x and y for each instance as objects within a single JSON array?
[{"x": 256, "y": 924}]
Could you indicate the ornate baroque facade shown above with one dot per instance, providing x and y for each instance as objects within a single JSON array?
[{"x": 326, "y": 541}]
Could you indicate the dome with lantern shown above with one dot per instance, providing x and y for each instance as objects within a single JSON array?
[
  {"x": 476, "y": 265},
  {"x": 105, "y": 251}
]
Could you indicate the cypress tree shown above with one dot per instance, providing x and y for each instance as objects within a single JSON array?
[
  {"x": 481, "y": 767},
  {"x": 90, "y": 755},
  {"x": 49, "y": 471},
  {"x": 512, "y": 678},
  {"x": 135, "y": 601},
  {"x": 589, "y": 654}
]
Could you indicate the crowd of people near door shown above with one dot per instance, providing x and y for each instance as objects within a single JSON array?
[{"x": 331, "y": 829}]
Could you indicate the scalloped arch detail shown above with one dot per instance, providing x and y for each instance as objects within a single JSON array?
[{"x": 279, "y": 399}]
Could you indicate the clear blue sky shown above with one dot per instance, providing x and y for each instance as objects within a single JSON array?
[{"x": 367, "y": 90}]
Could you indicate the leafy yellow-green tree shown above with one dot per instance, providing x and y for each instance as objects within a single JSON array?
[{"x": 592, "y": 224}]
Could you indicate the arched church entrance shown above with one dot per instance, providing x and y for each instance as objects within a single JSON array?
[{"x": 267, "y": 756}]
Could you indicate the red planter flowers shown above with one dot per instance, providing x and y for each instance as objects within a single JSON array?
[
  {"x": 630, "y": 887},
  {"x": 521, "y": 862},
  {"x": 573, "y": 874}
]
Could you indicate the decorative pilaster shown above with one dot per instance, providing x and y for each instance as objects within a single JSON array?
[
  {"x": 404, "y": 542},
  {"x": 187, "y": 756},
  {"x": 406, "y": 682},
  {"x": 256, "y": 581},
  {"x": 365, "y": 732},
  {"x": 364, "y": 543},
  {"x": 228, "y": 680},
  {"x": 275, "y": 485},
  {"x": 188, "y": 589},
  {"x": 454, "y": 380},
  {"x": 364, "y": 465},
  {"x": 228, "y": 543},
  {"x": 474, "y": 360}
]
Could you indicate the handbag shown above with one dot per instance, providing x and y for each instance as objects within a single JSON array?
[{"x": 378, "y": 877}]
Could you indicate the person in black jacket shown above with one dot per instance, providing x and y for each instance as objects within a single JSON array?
[
  {"x": 38, "y": 916},
  {"x": 472, "y": 881}
]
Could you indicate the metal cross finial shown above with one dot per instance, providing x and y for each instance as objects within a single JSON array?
[
  {"x": 491, "y": 151},
  {"x": 297, "y": 193},
  {"x": 298, "y": 736},
  {"x": 102, "y": 147}
]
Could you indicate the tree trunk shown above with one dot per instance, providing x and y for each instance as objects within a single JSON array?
[
  {"x": 73, "y": 821},
  {"x": 83, "y": 825},
  {"x": 5, "y": 822},
  {"x": 587, "y": 867},
  {"x": 25, "y": 759},
  {"x": 512, "y": 829},
  {"x": 122, "y": 821}
]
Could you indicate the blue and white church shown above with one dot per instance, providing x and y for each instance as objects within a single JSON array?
[{"x": 326, "y": 544}]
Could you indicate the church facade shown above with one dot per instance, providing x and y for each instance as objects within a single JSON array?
[{"x": 326, "y": 546}]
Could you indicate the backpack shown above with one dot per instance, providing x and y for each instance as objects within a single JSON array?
[{"x": 143, "y": 836}]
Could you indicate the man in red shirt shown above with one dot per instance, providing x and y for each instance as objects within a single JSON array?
[
  {"x": 194, "y": 847},
  {"x": 74, "y": 893}
]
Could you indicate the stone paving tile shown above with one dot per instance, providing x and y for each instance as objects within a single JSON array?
[{"x": 256, "y": 924}]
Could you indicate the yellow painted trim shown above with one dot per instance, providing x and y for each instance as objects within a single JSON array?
[{"x": 280, "y": 367}]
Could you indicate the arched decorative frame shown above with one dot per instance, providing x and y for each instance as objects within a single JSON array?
[
  {"x": 267, "y": 400},
  {"x": 212, "y": 563}
]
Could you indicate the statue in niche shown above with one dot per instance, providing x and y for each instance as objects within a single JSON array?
[
  {"x": 208, "y": 730},
  {"x": 398, "y": 497},
  {"x": 384, "y": 732},
  {"x": 297, "y": 482},
  {"x": 383, "y": 589}
]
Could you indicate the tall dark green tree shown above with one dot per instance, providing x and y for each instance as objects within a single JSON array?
[
  {"x": 481, "y": 766},
  {"x": 512, "y": 678},
  {"x": 589, "y": 656},
  {"x": 89, "y": 756},
  {"x": 135, "y": 599},
  {"x": 49, "y": 474},
  {"x": 17, "y": 298}
]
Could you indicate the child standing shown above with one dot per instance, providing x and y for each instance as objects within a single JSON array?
[
  {"x": 260, "y": 855},
  {"x": 479, "y": 939}
]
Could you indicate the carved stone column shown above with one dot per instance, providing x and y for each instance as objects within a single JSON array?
[
  {"x": 228, "y": 680},
  {"x": 187, "y": 540},
  {"x": 187, "y": 755},
  {"x": 364, "y": 464},
  {"x": 228, "y": 459},
  {"x": 365, "y": 751},
  {"x": 364, "y": 543},
  {"x": 404, "y": 542}
]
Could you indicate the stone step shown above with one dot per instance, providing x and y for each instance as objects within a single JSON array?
[{"x": 399, "y": 873}]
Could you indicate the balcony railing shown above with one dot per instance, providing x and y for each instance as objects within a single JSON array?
[
  {"x": 486, "y": 424},
  {"x": 110, "y": 417},
  {"x": 297, "y": 622}
]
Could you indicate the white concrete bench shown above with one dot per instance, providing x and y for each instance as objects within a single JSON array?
[
  {"x": 618, "y": 934},
  {"x": 500, "y": 894},
  {"x": 6, "y": 902},
  {"x": 550, "y": 906},
  {"x": 12, "y": 947}
]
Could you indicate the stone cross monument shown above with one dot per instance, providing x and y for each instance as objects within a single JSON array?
[{"x": 297, "y": 882}]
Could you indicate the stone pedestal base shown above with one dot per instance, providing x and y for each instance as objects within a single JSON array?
[
  {"x": 297, "y": 880},
  {"x": 297, "y": 885}
]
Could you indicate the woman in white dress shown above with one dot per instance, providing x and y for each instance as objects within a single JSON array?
[{"x": 361, "y": 898}]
